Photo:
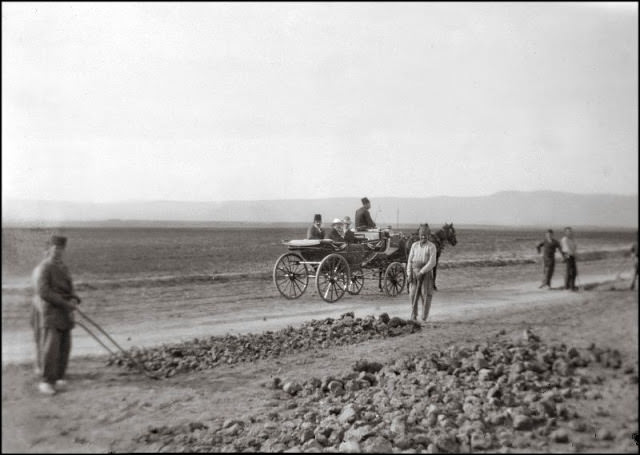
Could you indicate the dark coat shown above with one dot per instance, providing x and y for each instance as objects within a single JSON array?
[
  {"x": 549, "y": 248},
  {"x": 315, "y": 232},
  {"x": 53, "y": 292},
  {"x": 334, "y": 235},
  {"x": 349, "y": 237},
  {"x": 363, "y": 219}
]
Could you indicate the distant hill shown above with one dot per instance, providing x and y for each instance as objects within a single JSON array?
[{"x": 508, "y": 208}]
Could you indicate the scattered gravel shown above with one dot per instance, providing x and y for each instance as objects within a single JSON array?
[
  {"x": 169, "y": 360},
  {"x": 501, "y": 394}
]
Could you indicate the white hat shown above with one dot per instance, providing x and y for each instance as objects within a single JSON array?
[{"x": 337, "y": 221}]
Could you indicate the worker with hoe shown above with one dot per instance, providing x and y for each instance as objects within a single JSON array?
[
  {"x": 52, "y": 319},
  {"x": 420, "y": 264}
]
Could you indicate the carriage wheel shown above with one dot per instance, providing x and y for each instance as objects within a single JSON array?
[
  {"x": 356, "y": 283},
  {"x": 394, "y": 279},
  {"x": 332, "y": 278},
  {"x": 290, "y": 276}
]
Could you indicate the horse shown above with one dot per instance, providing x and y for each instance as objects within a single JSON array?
[{"x": 446, "y": 234}]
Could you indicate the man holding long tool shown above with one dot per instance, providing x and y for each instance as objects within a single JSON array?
[
  {"x": 52, "y": 317},
  {"x": 420, "y": 264}
]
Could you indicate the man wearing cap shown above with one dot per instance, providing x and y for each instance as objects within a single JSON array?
[
  {"x": 349, "y": 236},
  {"x": 315, "y": 231},
  {"x": 363, "y": 217},
  {"x": 335, "y": 233},
  {"x": 52, "y": 319},
  {"x": 420, "y": 264}
]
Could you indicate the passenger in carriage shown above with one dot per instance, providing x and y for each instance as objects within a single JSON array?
[
  {"x": 315, "y": 231},
  {"x": 363, "y": 217},
  {"x": 349, "y": 236},
  {"x": 336, "y": 231}
]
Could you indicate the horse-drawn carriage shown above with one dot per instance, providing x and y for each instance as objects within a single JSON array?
[{"x": 339, "y": 267}]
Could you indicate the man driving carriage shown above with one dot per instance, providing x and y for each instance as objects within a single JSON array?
[{"x": 363, "y": 217}]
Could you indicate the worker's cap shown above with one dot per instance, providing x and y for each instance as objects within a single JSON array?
[
  {"x": 58, "y": 240},
  {"x": 346, "y": 220},
  {"x": 364, "y": 200},
  {"x": 337, "y": 221},
  {"x": 317, "y": 217}
]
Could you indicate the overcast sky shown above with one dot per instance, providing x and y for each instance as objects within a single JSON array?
[{"x": 117, "y": 101}]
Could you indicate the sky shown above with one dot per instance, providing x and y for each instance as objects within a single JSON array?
[{"x": 107, "y": 102}]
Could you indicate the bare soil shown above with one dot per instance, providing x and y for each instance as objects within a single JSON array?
[{"x": 108, "y": 408}]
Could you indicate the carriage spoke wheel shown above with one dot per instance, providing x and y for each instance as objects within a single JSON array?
[
  {"x": 356, "y": 283},
  {"x": 332, "y": 278},
  {"x": 290, "y": 276},
  {"x": 394, "y": 279}
]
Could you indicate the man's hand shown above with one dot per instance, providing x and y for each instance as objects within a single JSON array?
[{"x": 73, "y": 304}]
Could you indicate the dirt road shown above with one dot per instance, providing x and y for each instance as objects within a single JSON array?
[
  {"x": 162, "y": 314},
  {"x": 108, "y": 408}
]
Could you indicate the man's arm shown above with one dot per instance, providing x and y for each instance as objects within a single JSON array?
[
  {"x": 539, "y": 245},
  {"x": 369, "y": 220},
  {"x": 409, "y": 262},
  {"x": 46, "y": 292},
  {"x": 432, "y": 259}
]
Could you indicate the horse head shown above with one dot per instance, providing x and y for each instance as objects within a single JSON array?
[{"x": 450, "y": 233}]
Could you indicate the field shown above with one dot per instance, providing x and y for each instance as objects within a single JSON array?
[
  {"x": 109, "y": 408},
  {"x": 124, "y": 253}
]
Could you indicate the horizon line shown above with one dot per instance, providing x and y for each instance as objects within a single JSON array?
[{"x": 313, "y": 199}]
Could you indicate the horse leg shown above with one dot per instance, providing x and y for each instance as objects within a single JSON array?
[{"x": 435, "y": 271}]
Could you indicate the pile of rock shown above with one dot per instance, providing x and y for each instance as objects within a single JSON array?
[
  {"x": 168, "y": 360},
  {"x": 499, "y": 394}
]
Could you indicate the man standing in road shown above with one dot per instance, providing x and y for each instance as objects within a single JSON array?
[
  {"x": 548, "y": 246},
  {"x": 52, "y": 318},
  {"x": 420, "y": 264},
  {"x": 363, "y": 217},
  {"x": 569, "y": 250}
]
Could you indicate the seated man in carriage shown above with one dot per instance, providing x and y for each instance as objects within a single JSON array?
[
  {"x": 349, "y": 236},
  {"x": 315, "y": 231},
  {"x": 336, "y": 232}
]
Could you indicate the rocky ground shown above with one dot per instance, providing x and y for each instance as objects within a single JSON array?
[
  {"x": 539, "y": 375},
  {"x": 503, "y": 393}
]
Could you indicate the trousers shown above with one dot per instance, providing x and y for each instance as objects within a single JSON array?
[
  {"x": 52, "y": 352},
  {"x": 421, "y": 289},
  {"x": 571, "y": 273},
  {"x": 549, "y": 267}
]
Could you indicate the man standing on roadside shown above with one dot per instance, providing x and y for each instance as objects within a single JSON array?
[
  {"x": 363, "y": 217},
  {"x": 54, "y": 301},
  {"x": 569, "y": 250},
  {"x": 420, "y": 264},
  {"x": 548, "y": 246}
]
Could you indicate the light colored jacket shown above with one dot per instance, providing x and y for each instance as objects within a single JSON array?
[
  {"x": 569, "y": 246},
  {"x": 422, "y": 258}
]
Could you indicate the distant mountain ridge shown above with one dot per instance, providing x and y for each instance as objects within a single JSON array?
[{"x": 508, "y": 208}]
